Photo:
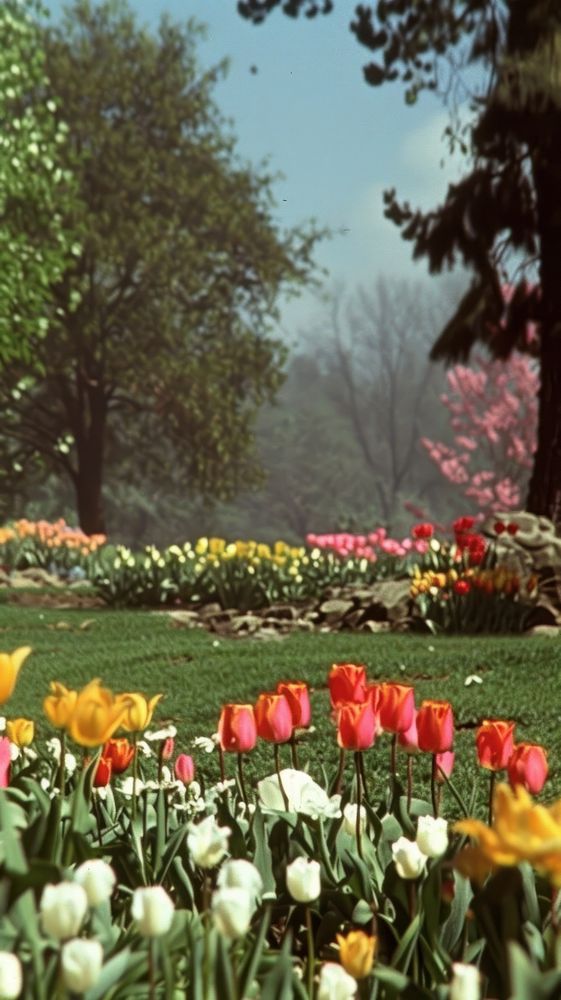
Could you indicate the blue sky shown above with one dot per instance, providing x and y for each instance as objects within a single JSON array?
[{"x": 338, "y": 141}]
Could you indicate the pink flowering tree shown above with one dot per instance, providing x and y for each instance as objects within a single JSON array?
[{"x": 493, "y": 408}]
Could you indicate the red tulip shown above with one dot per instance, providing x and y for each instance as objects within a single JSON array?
[
  {"x": 494, "y": 741},
  {"x": 444, "y": 765},
  {"x": 435, "y": 726},
  {"x": 461, "y": 587},
  {"x": 184, "y": 768},
  {"x": 409, "y": 740},
  {"x": 347, "y": 682},
  {"x": 103, "y": 771},
  {"x": 512, "y": 527},
  {"x": 499, "y": 527},
  {"x": 237, "y": 730},
  {"x": 120, "y": 753},
  {"x": 356, "y": 726},
  {"x": 5, "y": 762},
  {"x": 397, "y": 707},
  {"x": 528, "y": 767},
  {"x": 167, "y": 748},
  {"x": 298, "y": 697},
  {"x": 425, "y": 530},
  {"x": 273, "y": 718}
]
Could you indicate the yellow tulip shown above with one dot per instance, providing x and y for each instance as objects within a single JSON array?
[
  {"x": 10, "y": 665},
  {"x": 97, "y": 715},
  {"x": 59, "y": 705},
  {"x": 356, "y": 953},
  {"x": 138, "y": 710},
  {"x": 20, "y": 731}
]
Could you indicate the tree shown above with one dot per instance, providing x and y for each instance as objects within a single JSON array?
[
  {"x": 502, "y": 220},
  {"x": 162, "y": 325},
  {"x": 34, "y": 185}
]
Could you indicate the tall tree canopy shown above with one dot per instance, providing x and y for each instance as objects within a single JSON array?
[
  {"x": 503, "y": 219},
  {"x": 162, "y": 325}
]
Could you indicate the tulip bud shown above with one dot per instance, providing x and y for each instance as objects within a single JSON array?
[
  {"x": 349, "y": 819},
  {"x": 356, "y": 726},
  {"x": 103, "y": 771},
  {"x": 80, "y": 962},
  {"x": 494, "y": 741},
  {"x": 153, "y": 910},
  {"x": 335, "y": 983},
  {"x": 435, "y": 726},
  {"x": 466, "y": 982},
  {"x": 11, "y": 978},
  {"x": 303, "y": 880},
  {"x": 408, "y": 858},
  {"x": 208, "y": 842},
  {"x": 241, "y": 874},
  {"x": 166, "y": 748},
  {"x": 528, "y": 767},
  {"x": 231, "y": 911},
  {"x": 347, "y": 682},
  {"x": 298, "y": 698},
  {"x": 444, "y": 765},
  {"x": 356, "y": 953},
  {"x": 397, "y": 707},
  {"x": 62, "y": 909},
  {"x": 432, "y": 836},
  {"x": 273, "y": 718},
  {"x": 184, "y": 768},
  {"x": 97, "y": 878}
]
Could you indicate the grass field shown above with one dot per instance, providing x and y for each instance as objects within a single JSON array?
[{"x": 145, "y": 651}]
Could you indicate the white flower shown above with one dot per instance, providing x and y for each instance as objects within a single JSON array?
[
  {"x": 335, "y": 983},
  {"x": 349, "y": 819},
  {"x": 63, "y": 908},
  {"x": 81, "y": 962},
  {"x": 231, "y": 911},
  {"x": 157, "y": 736},
  {"x": 48, "y": 787},
  {"x": 303, "y": 880},
  {"x": 97, "y": 878},
  {"x": 14, "y": 751},
  {"x": 11, "y": 979},
  {"x": 240, "y": 874},
  {"x": 130, "y": 787},
  {"x": 208, "y": 842},
  {"x": 206, "y": 744},
  {"x": 54, "y": 747},
  {"x": 432, "y": 836},
  {"x": 466, "y": 982},
  {"x": 408, "y": 857},
  {"x": 153, "y": 910},
  {"x": 303, "y": 794},
  {"x": 145, "y": 749},
  {"x": 2, "y": 728}
]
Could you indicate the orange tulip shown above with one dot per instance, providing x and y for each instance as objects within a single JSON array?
[
  {"x": 397, "y": 707},
  {"x": 273, "y": 718},
  {"x": 298, "y": 697},
  {"x": 356, "y": 726},
  {"x": 237, "y": 730},
  {"x": 494, "y": 741},
  {"x": 528, "y": 767},
  {"x": 435, "y": 726},
  {"x": 119, "y": 752},
  {"x": 347, "y": 682}
]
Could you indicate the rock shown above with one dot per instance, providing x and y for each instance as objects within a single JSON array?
[
  {"x": 20, "y": 582},
  {"x": 390, "y": 601},
  {"x": 550, "y": 631},
  {"x": 335, "y": 609},
  {"x": 282, "y": 611},
  {"x": 41, "y": 577},
  {"x": 245, "y": 623},
  {"x": 190, "y": 619},
  {"x": 373, "y": 626},
  {"x": 215, "y": 611}
]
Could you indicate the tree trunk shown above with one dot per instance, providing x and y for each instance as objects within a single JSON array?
[{"x": 90, "y": 453}]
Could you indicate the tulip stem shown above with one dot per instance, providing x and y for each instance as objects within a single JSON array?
[
  {"x": 311, "y": 956},
  {"x": 358, "y": 804},
  {"x": 363, "y": 777},
  {"x": 222, "y": 766},
  {"x": 409, "y": 780},
  {"x": 62, "y": 767},
  {"x": 340, "y": 772},
  {"x": 294, "y": 752},
  {"x": 393, "y": 762},
  {"x": 434, "y": 785},
  {"x": 491, "y": 796},
  {"x": 242, "y": 784},
  {"x": 276, "y": 751},
  {"x": 152, "y": 968},
  {"x": 134, "y": 774}
]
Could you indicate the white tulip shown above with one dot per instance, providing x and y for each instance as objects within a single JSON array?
[
  {"x": 432, "y": 836},
  {"x": 97, "y": 878},
  {"x": 335, "y": 983},
  {"x": 304, "y": 795},
  {"x": 208, "y": 842},
  {"x": 349, "y": 819},
  {"x": 81, "y": 963},
  {"x": 240, "y": 874},
  {"x": 408, "y": 857},
  {"x": 466, "y": 982},
  {"x": 303, "y": 880},
  {"x": 63, "y": 908},
  {"x": 131, "y": 786},
  {"x": 153, "y": 910},
  {"x": 232, "y": 910},
  {"x": 11, "y": 979}
]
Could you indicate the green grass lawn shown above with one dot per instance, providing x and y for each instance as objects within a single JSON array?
[{"x": 145, "y": 651}]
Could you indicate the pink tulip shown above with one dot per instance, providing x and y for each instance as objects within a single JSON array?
[{"x": 184, "y": 768}]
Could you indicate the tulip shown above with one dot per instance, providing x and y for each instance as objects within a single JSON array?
[
  {"x": 96, "y": 716},
  {"x": 408, "y": 858},
  {"x": 10, "y": 666},
  {"x": 303, "y": 795},
  {"x": 494, "y": 741},
  {"x": 528, "y": 767},
  {"x": 20, "y": 731},
  {"x": 350, "y": 817},
  {"x": 62, "y": 909},
  {"x": 466, "y": 982},
  {"x": 432, "y": 836},
  {"x": 98, "y": 880},
  {"x": 119, "y": 752},
  {"x": 335, "y": 983},
  {"x": 231, "y": 911},
  {"x": 80, "y": 963},
  {"x": 59, "y": 705},
  {"x": 11, "y": 977},
  {"x": 435, "y": 726},
  {"x": 207, "y": 842},
  {"x": 138, "y": 710},
  {"x": 102, "y": 775},
  {"x": 347, "y": 682},
  {"x": 237, "y": 730},
  {"x": 303, "y": 880},
  {"x": 5, "y": 762},
  {"x": 444, "y": 765},
  {"x": 356, "y": 726},
  {"x": 356, "y": 953},
  {"x": 409, "y": 740},
  {"x": 298, "y": 698},
  {"x": 153, "y": 910},
  {"x": 397, "y": 707},
  {"x": 241, "y": 874},
  {"x": 184, "y": 768},
  {"x": 273, "y": 718},
  {"x": 167, "y": 747}
]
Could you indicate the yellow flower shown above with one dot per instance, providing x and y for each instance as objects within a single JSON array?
[
  {"x": 97, "y": 715},
  {"x": 10, "y": 665},
  {"x": 20, "y": 731},
  {"x": 356, "y": 953},
  {"x": 59, "y": 705},
  {"x": 138, "y": 710}
]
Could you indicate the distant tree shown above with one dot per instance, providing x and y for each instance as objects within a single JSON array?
[{"x": 161, "y": 328}]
